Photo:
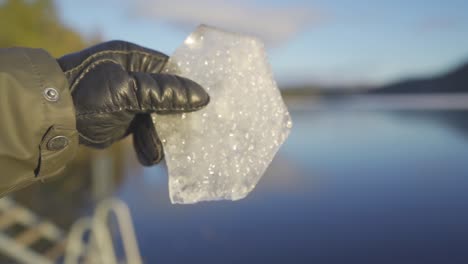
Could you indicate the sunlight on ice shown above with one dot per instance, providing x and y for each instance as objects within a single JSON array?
[
  {"x": 189, "y": 41},
  {"x": 222, "y": 151}
]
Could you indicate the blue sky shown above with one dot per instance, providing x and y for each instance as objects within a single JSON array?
[{"x": 329, "y": 42}]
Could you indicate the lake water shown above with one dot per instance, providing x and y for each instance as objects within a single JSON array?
[{"x": 351, "y": 185}]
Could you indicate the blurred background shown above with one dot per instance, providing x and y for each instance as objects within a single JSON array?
[{"x": 374, "y": 171}]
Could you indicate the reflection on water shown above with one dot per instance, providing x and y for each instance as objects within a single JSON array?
[{"x": 347, "y": 187}]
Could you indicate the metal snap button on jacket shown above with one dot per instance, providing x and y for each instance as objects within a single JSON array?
[
  {"x": 51, "y": 94},
  {"x": 57, "y": 143}
]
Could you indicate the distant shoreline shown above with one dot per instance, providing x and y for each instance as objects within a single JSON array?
[{"x": 439, "y": 101}]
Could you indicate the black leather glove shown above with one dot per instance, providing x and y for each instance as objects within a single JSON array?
[{"x": 116, "y": 85}]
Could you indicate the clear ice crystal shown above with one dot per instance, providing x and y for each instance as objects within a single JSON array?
[{"x": 222, "y": 151}]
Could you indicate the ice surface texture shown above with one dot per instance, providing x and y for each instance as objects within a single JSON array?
[{"x": 223, "y": 150}]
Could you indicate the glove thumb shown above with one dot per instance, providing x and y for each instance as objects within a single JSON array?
[{"x": 146, "y": 142}]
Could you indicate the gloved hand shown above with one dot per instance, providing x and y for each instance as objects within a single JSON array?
[{"x": 115, "y": 87}]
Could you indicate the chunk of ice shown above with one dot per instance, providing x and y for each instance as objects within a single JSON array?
[{"x": 221, "y": 151}]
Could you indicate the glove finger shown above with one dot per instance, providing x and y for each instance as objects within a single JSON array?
[
  {"x": 166, "y": 93},
  {"x": 146, "y": 142},
  {"x": 130, "y": 56}
]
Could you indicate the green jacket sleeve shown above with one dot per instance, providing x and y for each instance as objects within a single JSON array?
[{"x": 38, "y": 134}]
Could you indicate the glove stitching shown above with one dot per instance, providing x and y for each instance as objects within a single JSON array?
[
  {"x": 92, "y": 140},
  {"x": 88, "y": 69},
  {"x": 128, "y": 109},
  {"x": 81, "y": 65}
]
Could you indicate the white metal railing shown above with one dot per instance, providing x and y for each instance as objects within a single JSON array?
[
  {"x": 19, "y": 247},
  {"x": 99, "y": 247}
]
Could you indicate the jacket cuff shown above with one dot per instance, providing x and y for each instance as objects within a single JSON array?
[{"x": 60, "y": 138}]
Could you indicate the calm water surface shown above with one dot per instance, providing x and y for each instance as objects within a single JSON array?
[{"x": 349, "y": 186}]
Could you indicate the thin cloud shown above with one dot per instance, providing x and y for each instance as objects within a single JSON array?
[
  {"x": 273, "y": 24},
  {"x": 438, "y": 24}
]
